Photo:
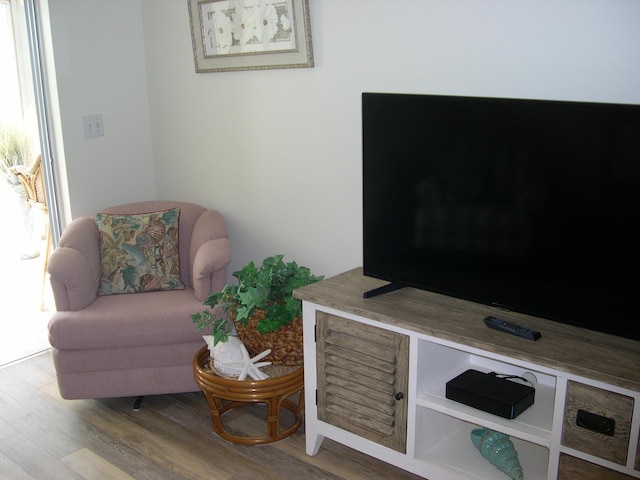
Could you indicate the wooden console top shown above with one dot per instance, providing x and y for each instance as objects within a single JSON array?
[{"x": 607, "y": 358}]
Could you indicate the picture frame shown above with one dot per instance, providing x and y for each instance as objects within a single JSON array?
[{"x": 232, "y": 35}]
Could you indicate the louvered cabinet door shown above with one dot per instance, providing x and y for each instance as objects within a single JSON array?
[{"x": 362, "y": 379}]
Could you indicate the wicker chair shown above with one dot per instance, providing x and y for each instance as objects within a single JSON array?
[{"x": 32, "y": 181}]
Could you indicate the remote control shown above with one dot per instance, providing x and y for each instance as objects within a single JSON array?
[{"x": 512, "y": 328}]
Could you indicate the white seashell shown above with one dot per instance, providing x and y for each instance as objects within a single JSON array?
[
  {"x": 225, "y": 353},
  {"x": 231, "y": 359}
]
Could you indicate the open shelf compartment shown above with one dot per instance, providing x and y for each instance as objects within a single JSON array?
[
  {"x": 437, "y": 364},
  {"x": 446, "y": 440}
]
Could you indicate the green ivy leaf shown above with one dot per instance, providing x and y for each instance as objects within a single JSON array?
[{"x": 268, "y": 287}]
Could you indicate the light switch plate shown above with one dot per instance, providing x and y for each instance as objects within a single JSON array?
[{"x": 93, "y": 126}]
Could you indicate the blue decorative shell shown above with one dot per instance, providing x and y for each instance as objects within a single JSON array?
[{"x": 499, "y": 450}]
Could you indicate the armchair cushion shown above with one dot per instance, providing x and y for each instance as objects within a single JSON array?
[
  {"x": 113, "y": 321},
  {"x": 139, "y": 252}
]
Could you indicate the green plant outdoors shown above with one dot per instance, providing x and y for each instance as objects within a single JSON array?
[
  {"x": 268, "y": 287},
  {"x": 15, "y": 149}
]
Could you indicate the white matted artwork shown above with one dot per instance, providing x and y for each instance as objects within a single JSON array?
[{"x": 232, "y": 35}]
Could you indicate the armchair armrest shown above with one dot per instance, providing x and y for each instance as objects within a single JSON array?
[
  {"x": 209, "y": 254},
  {"x": 210, "y": 267},
  {"x": 74, "y": 266}
]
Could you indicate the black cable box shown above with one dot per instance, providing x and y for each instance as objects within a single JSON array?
[{"x": 490, "y": 393}]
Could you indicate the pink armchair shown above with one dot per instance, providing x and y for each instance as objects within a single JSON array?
[{"x": 132, "y": 344}]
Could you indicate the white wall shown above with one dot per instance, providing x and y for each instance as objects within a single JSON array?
[
  {"x": 100, "y": 68},
  {"x": 279, "y": 152}
]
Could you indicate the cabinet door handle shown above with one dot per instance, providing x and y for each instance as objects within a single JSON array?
[
  {"x": 399, "y": 396},
  {"x": 596, "y": 423}
]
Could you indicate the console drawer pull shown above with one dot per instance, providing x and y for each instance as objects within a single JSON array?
[{"x": 597, "y": 423}]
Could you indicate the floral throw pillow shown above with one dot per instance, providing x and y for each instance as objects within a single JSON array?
[{"x": 139, "y": 253}]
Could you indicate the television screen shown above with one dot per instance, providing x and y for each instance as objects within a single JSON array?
[{"x": 530, "y": 205}]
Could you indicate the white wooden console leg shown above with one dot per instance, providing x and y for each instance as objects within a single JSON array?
[
  {"x": 313, "y": 442},
  {"x": 313, "y": 438}
]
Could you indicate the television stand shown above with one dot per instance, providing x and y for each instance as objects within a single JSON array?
[{"x": 376, "y": 369}]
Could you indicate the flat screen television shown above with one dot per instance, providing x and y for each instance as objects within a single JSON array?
[{"x": 529, "y": 205}]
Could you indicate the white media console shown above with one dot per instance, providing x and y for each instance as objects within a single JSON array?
[{"x": 376, "y": 369}]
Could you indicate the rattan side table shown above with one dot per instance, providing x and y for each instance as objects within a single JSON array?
[{"x": 277, "y": 392}]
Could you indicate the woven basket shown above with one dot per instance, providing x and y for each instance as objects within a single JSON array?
[{"x": 285, "y": 343}]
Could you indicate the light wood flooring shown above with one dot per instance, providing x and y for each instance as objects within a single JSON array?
[{"x": 45, "y": 437}]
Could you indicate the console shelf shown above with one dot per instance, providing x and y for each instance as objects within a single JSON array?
[
  {"x": 453, "y": 450},
  {"x": 376, "y": 370},
  {"x": 533, "y": 425}
]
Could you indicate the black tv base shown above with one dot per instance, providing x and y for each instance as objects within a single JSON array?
[{"x": 390, "y": 287}]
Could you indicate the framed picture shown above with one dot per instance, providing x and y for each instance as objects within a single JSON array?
[{"x": 232, "y": 35}]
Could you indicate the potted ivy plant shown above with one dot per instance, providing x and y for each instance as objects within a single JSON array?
[{"x": 262, "y": 309}]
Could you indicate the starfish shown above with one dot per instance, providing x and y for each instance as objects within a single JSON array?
[{"x": 248, "y": 366}]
